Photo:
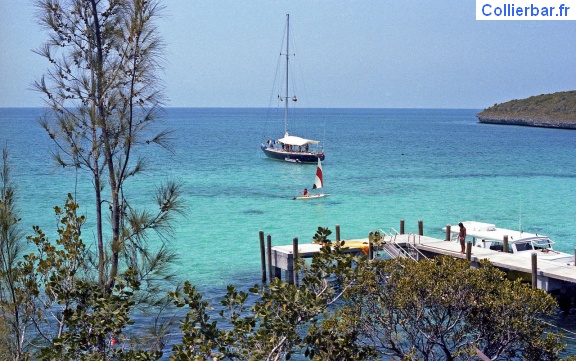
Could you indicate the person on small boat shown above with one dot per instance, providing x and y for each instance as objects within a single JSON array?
[
  {"x": 305, "y": 193},
  {"x": 462, "y": 237}
]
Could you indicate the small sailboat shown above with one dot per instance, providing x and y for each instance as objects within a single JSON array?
[
  {"x": 291, "y": 148},
  {"x": 318, "y": 184}
]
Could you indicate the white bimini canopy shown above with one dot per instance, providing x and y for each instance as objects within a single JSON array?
[{"x": 293, "y": 140}]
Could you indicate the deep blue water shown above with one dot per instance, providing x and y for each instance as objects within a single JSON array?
[{"x": 382, "y": 165}]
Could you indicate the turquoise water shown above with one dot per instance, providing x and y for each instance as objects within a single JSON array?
[{"x": 382, "y": 165}]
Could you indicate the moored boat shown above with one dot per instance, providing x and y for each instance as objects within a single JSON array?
[
  {"x": 291, "y": 148},
  {"x": 486, "y": 235}
]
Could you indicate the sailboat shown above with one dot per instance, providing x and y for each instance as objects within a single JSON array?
[
  {"x": 318, "y": 184},
  {"x": 291, "y": 148}
]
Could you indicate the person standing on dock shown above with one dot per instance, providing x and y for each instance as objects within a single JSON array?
[{"x": 462, "y": 237}]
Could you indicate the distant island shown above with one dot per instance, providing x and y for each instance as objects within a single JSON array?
[{"x": 557, "y": 110}]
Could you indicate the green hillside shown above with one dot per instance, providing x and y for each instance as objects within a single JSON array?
[{"x": 556, "y": 110}]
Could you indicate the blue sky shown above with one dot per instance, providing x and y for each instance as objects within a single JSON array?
[{"x": 368, "y": 54}]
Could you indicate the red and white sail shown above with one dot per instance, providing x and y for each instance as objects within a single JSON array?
[{"x": 318, "y": 181}]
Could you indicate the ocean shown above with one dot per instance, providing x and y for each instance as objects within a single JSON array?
[{"x": 382, "y": 165}]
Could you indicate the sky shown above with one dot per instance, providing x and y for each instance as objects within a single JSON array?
[{"x": 351, "y": 54}]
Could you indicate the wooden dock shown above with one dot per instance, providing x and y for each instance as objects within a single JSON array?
[
  {"x": 550, "y": 275},
  {"x": 282, "y": 257},
  {"x": 546, "y": 275}
]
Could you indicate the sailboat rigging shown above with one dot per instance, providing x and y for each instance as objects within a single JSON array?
[{"x": 291, "y": 148}]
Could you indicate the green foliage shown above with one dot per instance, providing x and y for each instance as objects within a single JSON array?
[
  {"x": 349, "y": 308},
  {"x": 103, "y": 95},
  {"x": 442, "y": 308},
  {"x": 14, "y": 318},
  {"x": 321, "y": 236},
  {"x": 93, "y": 326},
  {"x": 75, "y": 319},
  {"x": 337, "y": 338},
  {"x": 102, "y": 98},
  {"x": 275, "y": 326}
]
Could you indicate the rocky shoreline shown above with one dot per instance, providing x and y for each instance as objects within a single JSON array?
[
  {"x": 556, "y": 110},
  {"x": 543, "y": 123}
]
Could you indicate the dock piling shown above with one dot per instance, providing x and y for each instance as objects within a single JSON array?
[
  {"x": 401, "y": 226},
  {"x": 262, "y": 255},
  {"x": 337, "y": 233},
  {"x": 534, "y": 270},
  {"x": 420, "y": 228},
  {"x": 269, "y": 256},
  {"x": 505, "y": 242},
  {"x": 447, "y": 232},
  {"x": 294, "y": 259},
  {"x": 370, "y": 250},
  {"x": 469, "y": 251}
]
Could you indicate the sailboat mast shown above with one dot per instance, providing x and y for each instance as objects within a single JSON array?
[{"x": 287, "y": 56}]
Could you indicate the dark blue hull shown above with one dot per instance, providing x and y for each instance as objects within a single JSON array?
[{"x": 294, "y": 157}]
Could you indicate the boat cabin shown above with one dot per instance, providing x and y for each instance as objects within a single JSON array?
[
  {"x": 294, "y": 149},
  {"x": 526, "y": 244}
]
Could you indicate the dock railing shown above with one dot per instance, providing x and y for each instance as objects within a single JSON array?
[{"x": 405, "y": 250}]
